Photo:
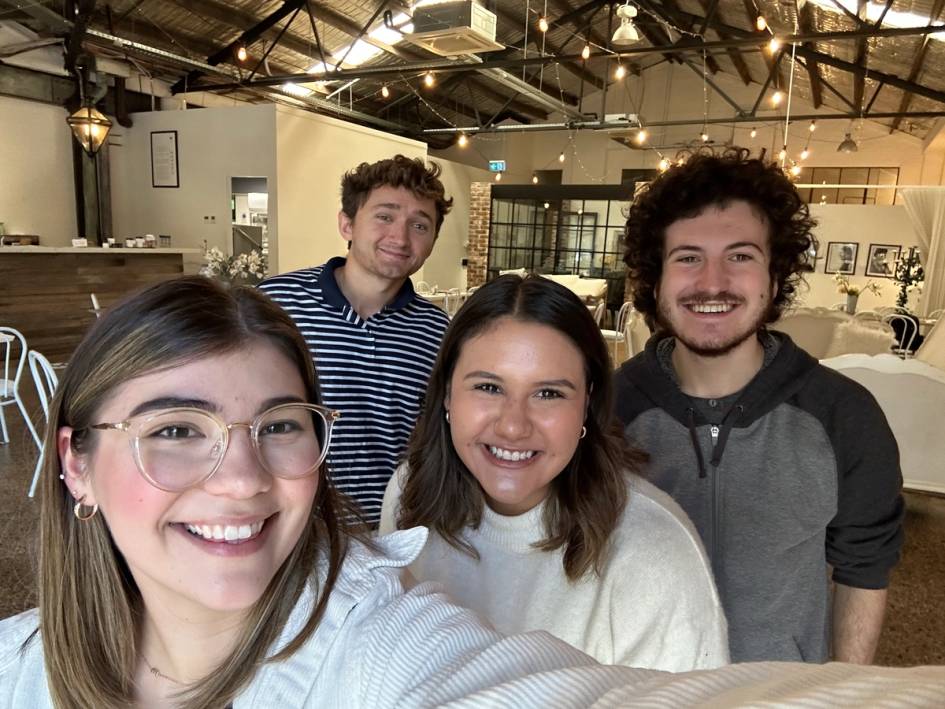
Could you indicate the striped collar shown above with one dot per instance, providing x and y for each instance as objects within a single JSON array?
[{"x": 333, "y": 295}]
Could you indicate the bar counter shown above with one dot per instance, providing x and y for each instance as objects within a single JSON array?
[{"x": 45, "y": 291}]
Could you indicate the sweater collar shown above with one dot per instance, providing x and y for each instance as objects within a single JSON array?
[{"x": 516, "y": 533}]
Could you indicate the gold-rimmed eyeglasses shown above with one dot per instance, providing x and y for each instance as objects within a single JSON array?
[{"x": 179, "y": 448}]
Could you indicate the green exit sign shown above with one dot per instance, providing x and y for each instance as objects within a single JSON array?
[{"x": 497, "y": 165}]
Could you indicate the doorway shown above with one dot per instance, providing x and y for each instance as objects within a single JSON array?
[{"x": 249, "y": 217}]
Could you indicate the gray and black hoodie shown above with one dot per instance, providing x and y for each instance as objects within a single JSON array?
[{"x": 797, "y": 471}]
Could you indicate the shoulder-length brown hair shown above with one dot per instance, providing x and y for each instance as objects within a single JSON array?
[
  {"x": 90, "y": 608},
  {"x": 588, "y": 497}
]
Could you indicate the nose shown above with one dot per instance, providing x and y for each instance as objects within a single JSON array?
[
  {"x": 713, "y": 276},
  {"x": 513, "y": 422},
  {"x": 241, "y": 474}
]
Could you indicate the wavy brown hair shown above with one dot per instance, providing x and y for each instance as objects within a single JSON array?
[
  {"x": 90, "y": 609},
  {"x": 706, "y": 180},
  {"x": 588, "y": 497},
  {"x": 398, "y": 171}
]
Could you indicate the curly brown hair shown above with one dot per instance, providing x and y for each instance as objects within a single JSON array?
[
  {"x": 398, "y": 171},
  {"x": 706, "y": 179}
]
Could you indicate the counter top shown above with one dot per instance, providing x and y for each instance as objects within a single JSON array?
[{"x": 90, "y": 250}]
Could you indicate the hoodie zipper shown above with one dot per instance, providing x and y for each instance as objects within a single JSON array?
[{"x": 714, "y": 431}]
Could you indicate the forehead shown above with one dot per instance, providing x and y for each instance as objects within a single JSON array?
[
  {"x": 517, "y": 348},
  {"x": 401, "y": 196},
  {"x": 719, "y": 225}
]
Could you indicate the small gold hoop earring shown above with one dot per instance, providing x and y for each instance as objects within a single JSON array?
[
  {"x": 77, "y": 510},
  {"x": 583, "y": 431},
  {"x": 447, "y": 416}
]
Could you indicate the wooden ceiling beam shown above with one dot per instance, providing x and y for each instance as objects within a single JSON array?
[
  {"x": 806, "y": 23},
  {"x": 917, "y": 63}
]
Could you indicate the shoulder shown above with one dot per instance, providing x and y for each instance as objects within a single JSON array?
[
  {"x": 22, "y": 673},
  {"x": 304, "y": 280},
  {"x": 422, "y": 310}
]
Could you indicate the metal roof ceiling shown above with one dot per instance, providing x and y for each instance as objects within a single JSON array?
[{"x": 850, "y": 66}]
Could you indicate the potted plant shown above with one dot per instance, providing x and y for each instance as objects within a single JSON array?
[
  {"x": 909, "y": 275},
  {"x": 852, "y": 291},
  {"x": 241, "y": 268}
]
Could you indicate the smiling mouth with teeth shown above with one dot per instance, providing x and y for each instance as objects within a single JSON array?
[
  {"x": 226, "y": 533},
  {"x": 512, "y": 456},
  {"x": 711, "y": 307}
]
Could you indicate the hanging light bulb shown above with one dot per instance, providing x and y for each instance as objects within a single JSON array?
[
  {"x": 805, "y": 153},
  {"x": 681, "y": 161},
  {"x": 547, "y": 205},
  {"x": 795, "y": 170},
  {"x": 760, "y": 23},
  {"x": 754, "y": 133},
  {"x": 428, "y": 79},
  {"x": 561, "y": 157},
  {"x": 704, "y": 136},
  {"x": 812, "y": 127},
  {"x": 619, "y": 72},
  {"x": 385, "y": 92},
  {"x": 774, "y": 45},
  {"x": 241, "y": 53},
  {"x": 90, "y": 128},
  {"x": 641, "y": 136},
  {"x": 463, "y": 141},
  {"x": 782, "y": 154},
  {"x": 586, "y": 52},
  {"x": 777, "y": 97},
  {"x": 498, "y": 177},
  {"x": 542, "y": 25},
  {"x": 534, "y": 179},
  {"x": 663, "y": 165}
]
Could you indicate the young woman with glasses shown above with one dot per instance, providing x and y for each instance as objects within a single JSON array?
[{"x": 537, "y": 521}]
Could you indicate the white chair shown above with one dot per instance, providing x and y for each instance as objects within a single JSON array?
[
  {"x": 452, "y": 301},
  {"x": 598, "y": 312},
  {"x": 619, "y": 334},
  {"x": 96, "y": 309},
  {"x": 46, "y": 381},
  {"x": 10, "y": 382},
  {"x": 423, "y": 288},
  {"x": 906, "y": 329}
]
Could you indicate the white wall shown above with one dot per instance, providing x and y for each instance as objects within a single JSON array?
[
  {"x": 37, "y": 191},
  {"x": 314, "y": 152},
  {"x": 214, "y": 144},
  {"x": 864, "y": 225},
  {"x": 444, "y": 267}
]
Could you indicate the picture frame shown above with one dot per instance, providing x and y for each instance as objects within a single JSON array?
[
  {"x": 841, "y": 257},
  {"x": 881, "y": 260},
  {"x": 165, "y": 165}
]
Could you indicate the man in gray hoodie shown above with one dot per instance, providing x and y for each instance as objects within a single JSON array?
[{"x": 788, "y": 469}]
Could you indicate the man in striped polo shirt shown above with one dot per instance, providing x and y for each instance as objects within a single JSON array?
[{"x": 373, "y": 339}]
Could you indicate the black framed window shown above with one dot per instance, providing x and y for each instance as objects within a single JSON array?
[{"x": 885, "y": 179}]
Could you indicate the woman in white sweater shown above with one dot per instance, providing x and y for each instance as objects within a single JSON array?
[{"x": 536, "y": 521}]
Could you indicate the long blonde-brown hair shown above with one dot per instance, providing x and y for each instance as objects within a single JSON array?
[{"x": 90, "y": 608}]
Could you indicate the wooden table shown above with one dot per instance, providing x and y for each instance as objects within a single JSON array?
[{"x": 45, "y": 291}]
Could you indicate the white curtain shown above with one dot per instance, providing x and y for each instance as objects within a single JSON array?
[{"x": 926, "y": 210}]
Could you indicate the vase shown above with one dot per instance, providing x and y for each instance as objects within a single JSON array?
[{"x": 851, "y": 302}]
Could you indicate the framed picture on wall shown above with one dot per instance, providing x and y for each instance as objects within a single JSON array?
[
  {"x": 881, "y": 261},
  {"x": 841, "y": 257},
  {"x": 164, "y": 162}
]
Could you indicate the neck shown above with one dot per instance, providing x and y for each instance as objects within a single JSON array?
[
  {"x": 715, "y": 377},
  {"x": 366, "y": 292},
  {"x": 176, "y": 649}
]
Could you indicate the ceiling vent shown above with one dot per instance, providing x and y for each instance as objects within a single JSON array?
[{"x": 454, "y": 28}]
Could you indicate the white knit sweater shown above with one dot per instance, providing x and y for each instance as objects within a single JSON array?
[{"x": 654, "y": 604}]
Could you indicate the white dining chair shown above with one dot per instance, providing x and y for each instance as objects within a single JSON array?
[
  {"x": 619, "y": 334},
  {"x": 598, "y": 311},
  {"x": 46, "y": 381},
  {"x": 96, "y": 309},
  {"x": 906, "y": 329},
  {"x": 13, "y": 365}
]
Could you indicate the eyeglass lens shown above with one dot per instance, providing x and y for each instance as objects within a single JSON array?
[{"x": 177, "y": 449}]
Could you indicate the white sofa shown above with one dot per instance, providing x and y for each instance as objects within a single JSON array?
[
  {"x": 912, "y": 395},
  {"x": 828, "y": 333}
]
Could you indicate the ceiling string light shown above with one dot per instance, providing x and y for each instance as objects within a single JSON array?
[
  {"x": 542, "y": 24},
  {"x": 462, "y": 141},
  {"x": 241, "y": 53},
  {"x": 428, "y": 79},
  {"x": 534, "y": 179},
  {"x": 385, "y": 92},
  {"x": 760, "y": 23},
  {"x": 586, "y": 52}
]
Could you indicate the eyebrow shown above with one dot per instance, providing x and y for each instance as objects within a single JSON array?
[
  {"x": 178, "y": 402},
  {"x": 481, "y": 374},
  {"x": 397, "y": 207},
  {"x": 730, "y": 247}
]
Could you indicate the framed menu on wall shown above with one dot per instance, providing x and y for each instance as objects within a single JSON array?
[{"x": 164, "y": 164}]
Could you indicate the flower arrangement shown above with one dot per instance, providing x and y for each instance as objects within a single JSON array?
[
  {"x": 247, "y": 268},
  {"x": 910, "y": 276},
  {"x": 844, "y": 286}
]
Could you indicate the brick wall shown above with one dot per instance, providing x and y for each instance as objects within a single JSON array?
[{"x": 480, "y": 204}]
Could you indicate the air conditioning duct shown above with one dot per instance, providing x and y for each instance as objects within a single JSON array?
[{"x": 454, "y": 27}]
